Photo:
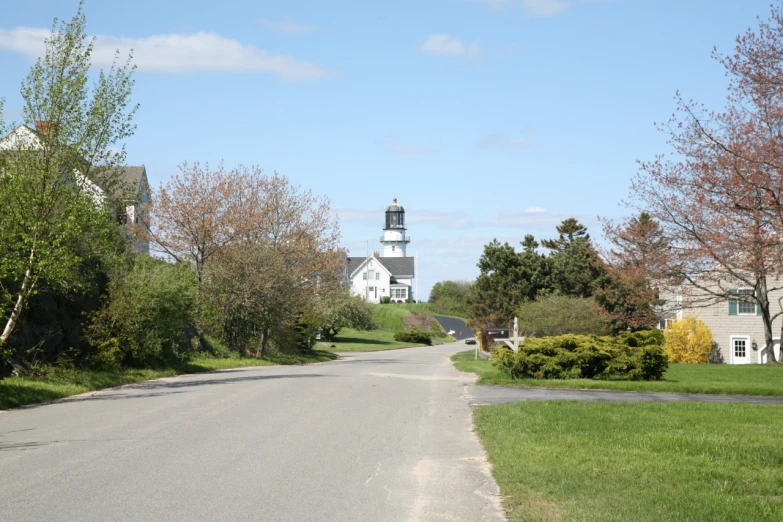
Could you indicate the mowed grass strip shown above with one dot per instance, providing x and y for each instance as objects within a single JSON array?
[
  {"x": 59, "y": 383},
  {"x": 565, "y": 460},
  {"x": 751, "y": 379},
  {"x": 350, "y": 340}
]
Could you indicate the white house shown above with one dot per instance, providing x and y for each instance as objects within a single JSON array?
[
  {"x": 392, "y": 274},
  {"x": 133, "y": 180},
  {"x": 736, "y": 326}
]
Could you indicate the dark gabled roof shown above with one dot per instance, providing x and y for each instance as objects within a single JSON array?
[
  {"x": 354, "y": 263},
  {"x": 398, "y": 266},
  {"x": 123, "y": 179},
  {"x": 131, "y": 175}
]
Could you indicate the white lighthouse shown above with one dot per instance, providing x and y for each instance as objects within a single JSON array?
[
  {"x": 390, "y": 276},
  {"x": 394, "y": 239}
]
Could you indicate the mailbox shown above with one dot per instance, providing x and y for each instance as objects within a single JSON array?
[{"x": 499, "y": 332}]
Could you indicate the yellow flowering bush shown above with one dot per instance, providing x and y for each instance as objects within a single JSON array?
[{"x": 688, "y": 340}]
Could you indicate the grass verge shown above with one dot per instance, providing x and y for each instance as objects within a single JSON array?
[
  {"x": 351, "y": 340},
  {"x": 59, "y": 383},
  {"x": 753, "y": 379},
  {"x": 565, "y": 460}
]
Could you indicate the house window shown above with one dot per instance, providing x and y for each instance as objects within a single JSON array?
[
  {"x": 399, "y": 293},
  {"x": 746, "y": 306},
  {"x": 377, "y": 276},
  {"x": 393, "y": 247},
  {"x": 740, "y": 348},
  {"x": 364, "y": 276}
]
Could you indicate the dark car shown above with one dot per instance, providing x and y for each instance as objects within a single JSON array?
[{"x": 470, "y": 341}]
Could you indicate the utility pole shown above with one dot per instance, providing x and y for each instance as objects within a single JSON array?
[{"x": 416, "y": 273}]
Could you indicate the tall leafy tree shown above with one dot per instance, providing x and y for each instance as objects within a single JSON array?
[
  {"x": 717, "y": 195},
  {"x": 451, "y": 297},
  {"x": 52, "y": 207},
  {"x": 635, "y": 267},
  {"x": 507, "y": 278}
]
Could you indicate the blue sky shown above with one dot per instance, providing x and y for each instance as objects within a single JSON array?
[{"x": 486, "y": 118}]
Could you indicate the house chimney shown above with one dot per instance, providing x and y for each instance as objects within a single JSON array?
[
  {"x": 44, "y": 127},
  {"x": 377, "y": 254}
]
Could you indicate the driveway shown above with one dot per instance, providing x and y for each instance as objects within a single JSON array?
[
  {"x": 461, "y": 330},
  {"x": 375, "y": 436},
  {"x": 483, "y": 395}
]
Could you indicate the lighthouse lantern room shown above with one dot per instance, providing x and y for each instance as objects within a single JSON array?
[{"x": 394, "y": 239}]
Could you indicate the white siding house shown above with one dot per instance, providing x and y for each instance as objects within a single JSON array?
[
  {"x": 133, "y": 181},
  {"x": 736, "y": 325}
]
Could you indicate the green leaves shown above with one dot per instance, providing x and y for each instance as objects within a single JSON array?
[{"x": 57, "y": 182}]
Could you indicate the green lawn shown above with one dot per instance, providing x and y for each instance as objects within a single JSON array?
[
  {"x": 565, "y": 460},
  {"x": 426, "y": 308},
  {"x": 59, "y": 383},
  {"x": 350, "y": 340},
  {"x": 390, "y": 317},
  {"x": 750, "y": 379}
]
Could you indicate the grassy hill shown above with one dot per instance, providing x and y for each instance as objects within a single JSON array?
[{"x": 390, "y": 318}]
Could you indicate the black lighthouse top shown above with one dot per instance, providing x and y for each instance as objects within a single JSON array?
[{"x": 395, "y": 216}]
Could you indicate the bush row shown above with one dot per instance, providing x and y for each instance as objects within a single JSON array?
[
  {"x": 386, "y": 300},
  {"x": 413, "y": 335},
  {"x": 635, "y": 356}
]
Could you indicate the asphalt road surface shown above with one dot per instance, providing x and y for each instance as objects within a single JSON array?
[
  {"x": 461, "y": 331},
  {"x": 376, "y": 436}
]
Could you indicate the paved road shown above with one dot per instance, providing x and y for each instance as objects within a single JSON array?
[
  {"x": 376, "y": 436},
  {"x": 480, "y": 395},
  {"x": 461, "y": 331}
]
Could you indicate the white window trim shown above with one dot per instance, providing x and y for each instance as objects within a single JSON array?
[
  {"x": 739, "y": 301},
  {"x": 747, "y": 347}
]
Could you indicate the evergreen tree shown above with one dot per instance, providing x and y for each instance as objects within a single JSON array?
[{"x": 569, "y": 231}]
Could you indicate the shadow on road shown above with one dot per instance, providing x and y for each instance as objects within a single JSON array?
[
  {"x": 190, "y": 383},
  {"x": 127, "y": 391}
]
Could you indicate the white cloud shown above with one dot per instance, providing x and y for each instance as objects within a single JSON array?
[
  {"x": 374, "y": 218},
  {"x": 176, "y": 54},
  {"x": 499, "y": 141},
  {"x": 410, "y": 149},
  {"x": 443, "y": 220},
  {"x": 535, "y": 7},
  {"x": 445, "y": 45},
  {"x": 359, "y": 216},
  {"x": 535, "y": 218},
  {"x": 288, "y": 26}
]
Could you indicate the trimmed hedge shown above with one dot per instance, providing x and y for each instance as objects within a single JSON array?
[
  {"x": 635, "y": 356},
  {"x": 413, "y": 335}
]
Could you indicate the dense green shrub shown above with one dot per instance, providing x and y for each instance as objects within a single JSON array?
[
  {"x": 385, "y": 299},
  {"x": 147, "y": 317},
  {"x": 560, "y": 315},
  {"x": 637, "y": 356},
  {"x": 451, "y": 298},
  {"x": 413, "y": 335},
  {"x": 338, "y": 309}
]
